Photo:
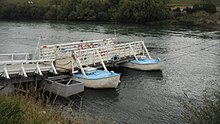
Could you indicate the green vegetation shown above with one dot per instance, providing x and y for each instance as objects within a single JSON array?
[
  {"x": 192, "y": 2},
  {"x": 138, "y": 11},
  {"x": 132, "y": 11},
  {"x": 199, "y": 18},
  {"x": 30, "y": 106},
  {"x": 25, "y": 110}
]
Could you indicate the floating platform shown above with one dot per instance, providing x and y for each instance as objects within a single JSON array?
[{"x": 63, "y": 85}]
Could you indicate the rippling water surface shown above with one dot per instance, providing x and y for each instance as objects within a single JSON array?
[{"x": 191, "y": 64}]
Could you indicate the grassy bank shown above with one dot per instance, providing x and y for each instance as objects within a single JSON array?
[{"x": 22, "y": 110}]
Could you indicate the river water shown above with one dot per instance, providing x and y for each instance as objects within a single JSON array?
[{"x": 191, "y": 64}]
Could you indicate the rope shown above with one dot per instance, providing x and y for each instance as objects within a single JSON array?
[
  {"x": 191, "y": 52},
  {"x": 187, "y": 46},
  {"x": 64, "y": 64},
  {"x": 38, "y": 45},
  {"x": 177, "y": 49}
]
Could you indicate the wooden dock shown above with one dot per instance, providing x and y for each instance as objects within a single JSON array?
[
  {"x": 13, "y": 67},
  {"x": 100, "y": 55},
  {"x": 68, "y": 57}
]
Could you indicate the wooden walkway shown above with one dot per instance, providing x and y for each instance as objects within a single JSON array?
[
  {"x": 11, "y": 65},
  {"x": 71, "y": 57},
  {"x": 75, "y": 57}
]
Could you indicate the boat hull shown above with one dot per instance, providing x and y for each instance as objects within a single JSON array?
[
  {"x": 143, "y": 67},
  {"x": 110, "y": 82}
]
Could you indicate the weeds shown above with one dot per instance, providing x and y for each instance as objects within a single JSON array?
[{"x": 31, "y": 106}]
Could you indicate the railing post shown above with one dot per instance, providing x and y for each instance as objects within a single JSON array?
[
  {"x": 38, "y": 69},
  {"x": 26, "y": 56},
  {"x": 53, "y": 68},
  {"x": 6, "y": 72},
  {"x": 23, "y": 71},
  {"x": 133, "y": 52},
  {"x": 12, "y": 57},
  {"x": 146, "y": 50},
  {"x": 80, "y": 65},
  {"x": 103, "y": 64}
]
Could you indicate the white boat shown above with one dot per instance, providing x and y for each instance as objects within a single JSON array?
[
  {"x": 143, "y": 63},
  {"x": 95, "y": 78}
]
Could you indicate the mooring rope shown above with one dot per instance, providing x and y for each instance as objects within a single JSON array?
[{"x": 214, "y": 45}]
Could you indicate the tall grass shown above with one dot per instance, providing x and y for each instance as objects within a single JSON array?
[{"x": 29, "y": 106}]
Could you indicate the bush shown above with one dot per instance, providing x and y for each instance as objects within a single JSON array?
[
  {"x": 139, "y": 11},
  {"x": 210, "y": 8}
]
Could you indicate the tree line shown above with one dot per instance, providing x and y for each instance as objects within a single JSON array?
[{"x": 138, "y": 11}]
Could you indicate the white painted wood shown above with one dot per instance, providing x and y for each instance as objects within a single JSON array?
[
  {"x": 14, "y": 55},
  {"x": 111, "y": 82},
  {"x": 53, "y": 68},
  {"x": 6, "y": 72},
  {"x": 133, "y": 52},
  {"x": 103, "y": 64},
  {"x": 38, "y": 70},
  {"x": 23, "y": 70},
  {"x": 146, "y": 50},
  {"x": 80, "y": 65},
  {"x": 22, "y": 67},
  {"x": 47, "y": 51}
]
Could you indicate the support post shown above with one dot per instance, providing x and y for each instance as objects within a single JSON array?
[
  {"x": 23, "y": 70},
  {"x": 35, "y": 81},
  {"x": 26, "y": 56},
  {"x": 12, "y": 57},
  {"x": 146, "y": 50},
  {"x": 133, "y": 52},
  {"x": 80, "y": 65},
  {"x": 103, "y": 64},
  {"x": 53, "y": 68},
  {"x": 38, "y": 69},
  {"x": 6, "y": 72}
]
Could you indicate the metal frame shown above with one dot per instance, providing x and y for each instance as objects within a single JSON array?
[
  {"x": 12, "y": 55},
  {"x": 22, "y": 71}
]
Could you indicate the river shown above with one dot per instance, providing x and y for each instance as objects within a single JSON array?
[{"x": 191, "y": 64}]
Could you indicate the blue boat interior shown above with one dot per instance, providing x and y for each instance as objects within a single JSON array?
[
  {"x": 145, "y": 61},
  {"x": 98, "y": 74}
]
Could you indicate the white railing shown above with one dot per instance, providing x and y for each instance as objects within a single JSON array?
[
  {"x": 91, "y": 56},
  {"x": 14, "y": 56},
  {"x": 104, "y": 54},
  {"x": 49, "y": 51},
  {"x": 23, "y": 67}
]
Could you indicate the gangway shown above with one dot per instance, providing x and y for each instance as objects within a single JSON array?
[
  {"x": 14, "y": 65},
  {"x": 116, "y": 53},
  {"x": 49, "y": 51},
  {"x": 14, "y": 56},
  {"x": 110, "y": 52}
]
